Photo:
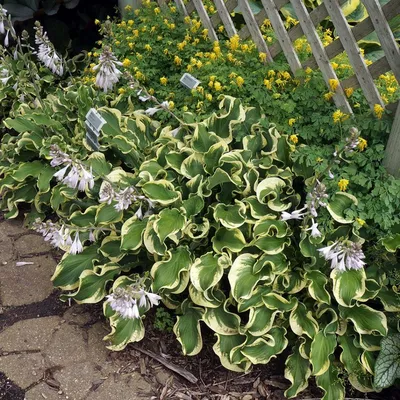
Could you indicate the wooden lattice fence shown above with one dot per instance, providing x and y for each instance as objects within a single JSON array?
[{"x": 347, "y": 38}]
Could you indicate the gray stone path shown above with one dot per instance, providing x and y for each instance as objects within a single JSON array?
[{"x": 49, "y": 350}]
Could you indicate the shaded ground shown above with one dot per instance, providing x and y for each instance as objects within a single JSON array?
[{"x": 51, "y": 350}]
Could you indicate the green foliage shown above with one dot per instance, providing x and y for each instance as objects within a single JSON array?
[
  {"x": 163, "y": 320},
  {"x": 387, "y": 367}
]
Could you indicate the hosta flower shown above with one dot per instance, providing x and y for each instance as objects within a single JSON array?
[
  {"x": 152, "y": 110},
  {"x": 76, "y": 246},
  {"x": 344, "y": 255},
  {"x": 317, "y": 198},
  {"x": 125, "y": 198},
  {"x": 106, "y": 193},
  {"x": 4, "y": 76},
  {"x": 46, "y": 52},
  {"x": 296, "y": 214},
  {"x": 108, "y": 74},
  {"x": 3, "y": 17},
  {"x": 315, "y": 232},
  {"x": 58, "y": 156},
  {"x": 126, "y": 301}
]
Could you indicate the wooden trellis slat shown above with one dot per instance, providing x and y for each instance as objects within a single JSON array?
[
  {"x": 181, "y": 7},
  {"x": 190, "y": 7},
  {"x": 230, "y": 5},
  {"x": 244, "y": 33},
  {"x": 254, "y": 29},
  {"x": 392, "y": 159},
  {"x": 225, "y": 17},
  {"x": 205, "y": 19},
  {"x": 385, "y": 35},
  {"x": 353, "y": 52},
  {"x": 319, "y": 53},
  {"x": 282, "y": 35},
  {"x": 362, "y": 29}
]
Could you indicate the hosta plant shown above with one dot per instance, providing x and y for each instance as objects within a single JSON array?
[{"x": 213, "y": 218}]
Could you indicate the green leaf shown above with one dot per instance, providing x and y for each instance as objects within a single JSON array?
[
  {"x": 302, "y": 322},
  {"x": 172, "y": 274},
  {"x": 208, "y": 270},
  {"x": 84, "y": 219},
  {"x": 169, "y": 222},
  {"x": 297, "y": 371},
  {"x": 226, "y": 346},
  {"x": 222, "y": 321},
  {"x": 70, "y": 268},
  {"x": 392, "y": 243},
  {"x": 317, "y": 282},
  {"x": 230, "y": 216},
  {"x": 339, "y": 205},
  {"x": 106, "y": 214},
  {"x": 269, "y": 191},
  {"x": 264, "y": 348},
  {"x": 193, "y": 205},
  {"x": 348, "y": 286},
  {"x": 132, "y": 233},
  {"x": 261, "y": 320},
  {"x": 330, "y": 383},
  {"x": 231, "y": 239},
  {"x": 187, "y": 329},
  {"x": 366, "y": 320},
  {"x": 92, "y": 285},
  {"x": 161, "y": 191},
  {"x": 387, "y": 367},
  {"x": 321, "y": 348}
]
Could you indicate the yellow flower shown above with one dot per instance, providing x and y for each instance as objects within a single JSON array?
[
  {"x": 139, "y": 76},
  {"x": 171, "y": 105},
  {"x": 221, "y": 28},
  {"x": 213, "y": 78},
  {"x": 268, "y": 84},
  {"x": 173, "y": 9},
  {"x": 245, "y": 47},
  {"x": 342, "y": 184},
  {"x": 121, "y": 90},
  {"x": 349, "y": 91},
  {"x": 378, "y": 110},
  {"x": 117, "y": 43},
  {"x": 239, "y": 81},
  {"x": 151, "y": 91},
  {"x": 187, "y": 19},
  {"x": 172, "y": 26},
  {"x": 213, "y": 56},
  {"x": 153, "y": 29},
  {"x": 177, "y": 60},
  {"x": 211, "y": 84},
  {"x": 95, "y": 54},
  {"x": 292, "y": 121},
  {"x": 333, "y": 84},
  {"x": 123, "y": 24},
  {"x": 157, "y": 10},
  {"x": 97, "y": 22},
  {"x": 211, "y": 9},
  {"x": 360, "y": 221},
  {"x": 204, "y": 33},
  {"x": 163, "y": 80},
  {"x": 267, "y": 23},
  {"x": 89, "y": 54},
  {"x": 166, "y": 51},
  {"x": 209, "y": 97},
  {"x": 308, "y": 71},
  {"x": 131, "y": 22},
  {"x": 233, "y": 43},
  {"x": 185, "y": 108},
  {"x": 181, "y": 45},
  {"x": 294, "y": 139},
  {"x": 148, "y": 47},
  {"x": 135, "y": 33},
  {"x": 263, "y": 57},
  {"x": 271, "y": 73},
  {"x": 335, "y": 65},
  {"x": 362, "y": 144},
  {"x": 200, "y": 89},
  {"x": 137, "y": 11},
  {"x": 128, "y": 8},
  {"x": 217, "y": 86},
  {"x": 339, "y": 116},
  {"x": 232, "y": 75},
  {"x": 126, "y": 63},
  {"x": 319, "y": 160},
  {"x": 328, "y": 96},
  {"x": 199, "y": 64}
]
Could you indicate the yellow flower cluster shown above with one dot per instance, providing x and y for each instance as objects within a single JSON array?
[
  {"x": 378, "y": 110},
  {"x": 342, "y": 184},
  {"x": 362, "y": 144},
  {"x": 338, "y": 116}
]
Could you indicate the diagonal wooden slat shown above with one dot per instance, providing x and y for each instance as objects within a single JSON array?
[
  {"x": 319, "y": 53},
  {"x": 254, "y": 29},
  {"x": 282, "y": 35},
  {"x": 385, "y": 35},
  {"x": 362, "y": 29},
  {"x": 225, "y": 17},
  {"x": 392, "y": 151},
  {"x": 190, "y": 7},
  {"x": 230, "y": 6},
  {"x": 205, "y": 19},
  {"x": 353, "y": 52},
  {"x": 181, "y": 7}
]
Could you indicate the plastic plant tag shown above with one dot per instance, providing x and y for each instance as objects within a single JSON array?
[
  {"x": 95, "y": 119},
  {"x": 189, "y": 81}
]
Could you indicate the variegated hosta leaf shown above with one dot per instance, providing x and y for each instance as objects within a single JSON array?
[
  {"x": 70, "y": 268},
  {"x": 151, "y": 239},
  {"x": 317, "y": 282},
  {"x": 230, "y": 216},
  {"x": 260, "y": 350},
  {"x": 366, "y": 320},
  {"x": 269, "y": 191},
  {"x": 187, "y": 329},
  {"x": 170, "y": 222},
  {"x": 211, "y": 298},
  {"x": 328, "y": 318},
  {"x": 390, "y": 300},
  {"x": 226, "y": 346},
  {"x": 261, "y": 320},
  {"x": 132, "y": 233},
  {"x": 271, "y": 236},
  {"x": 207, "y": 270},
  {"x": 162, "y": 192},
  {"x": 107, "y": 214},
  {"x": 348, "y": 286},
  {"x": 339, "y": 205},
  {"x": 351, "y": 359},
  {"x": 275, "y": 301},
  {"x": 297, "y": 371},
  {"x": 330, "y": 382},
  {"x": 92, "y": 285},
  {"x": 221, "y": 320},
  {"x": 302, "y": 322},
  {"x": 255, "y": 300},
  {"x": 111, "y": 248},
  {"x": 230, "y": 239},
  {"x": 172, "y": 274},
  {"x": 321, "y": 349}
]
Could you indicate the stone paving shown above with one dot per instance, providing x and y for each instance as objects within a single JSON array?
[{"x": 48, "y": 349}]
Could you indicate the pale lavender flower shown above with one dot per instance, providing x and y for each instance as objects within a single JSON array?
[
  {"x": 108, "y": 74},
  {"x": 344, "y": 255},
  {"x": 317, "y": 198},
  {"x": 76, "y": 246},
  {"x": 315, "y": 232},
  {"x": 152, "y": 110},
  {"x": 124, "y": 198},
  {"x": 296, "y": 214},
  {"x": 106, "y": 193},
  {"x": 3, "y": 17}
]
